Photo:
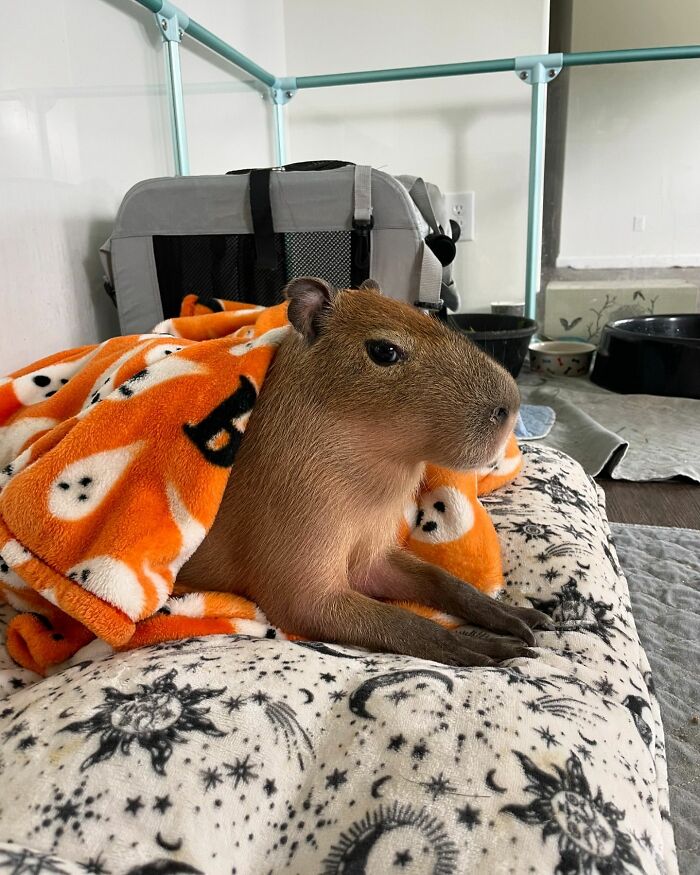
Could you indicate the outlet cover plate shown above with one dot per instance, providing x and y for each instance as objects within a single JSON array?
[{"x": 460, "y": 208}]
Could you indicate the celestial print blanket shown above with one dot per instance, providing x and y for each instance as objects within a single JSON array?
[
  {"x": 113, "y": 464},
  {"x": 232, "y": 754}
]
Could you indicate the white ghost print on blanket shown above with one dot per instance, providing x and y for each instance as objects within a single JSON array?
[
  {"x": 445, "y": 514},
  {"x": 256, "y": 755}
]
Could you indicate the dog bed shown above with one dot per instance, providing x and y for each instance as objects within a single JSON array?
[{"x": 240, "y": 755}]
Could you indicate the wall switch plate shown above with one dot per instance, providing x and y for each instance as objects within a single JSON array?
[
  {"x": 460, "y": 207},
  {"x": 639, "y": 223}
]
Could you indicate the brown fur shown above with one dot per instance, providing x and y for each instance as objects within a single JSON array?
[{"x": 334, "y": 450}]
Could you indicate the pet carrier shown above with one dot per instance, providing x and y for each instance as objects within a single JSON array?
[{"x": 243, "y": 235}]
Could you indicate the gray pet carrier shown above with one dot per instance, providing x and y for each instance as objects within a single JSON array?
[{"x": 243, "y": 235}]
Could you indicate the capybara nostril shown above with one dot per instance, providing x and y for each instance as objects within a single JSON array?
[{"x": 499, "y": 415}]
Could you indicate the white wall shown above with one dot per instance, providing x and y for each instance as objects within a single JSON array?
[
  {"x": 465, "y": 134},
  {"x": 83, "y": 117},
  {"x": 632, "y": 140}
]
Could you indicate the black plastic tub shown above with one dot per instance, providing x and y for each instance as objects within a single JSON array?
[
  {"x": 505, "y": 338},
  {"x": 650, "y": 355}
]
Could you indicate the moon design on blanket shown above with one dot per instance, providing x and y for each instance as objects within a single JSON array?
[
  {"x": 165, "y": 867},
  {"x": 636, "y": 706},
  {"x": 320, "y": 647},
  {"x": 378, "y": 784},
  {"x": 491, "y": 782},
  {"x": 445, "y": 514},
  {"x": 166, "y": 845},
  {"x": 358, "y": 700}
]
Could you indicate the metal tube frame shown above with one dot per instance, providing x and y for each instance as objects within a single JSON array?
[
  {"x": 535, "y": 70},
  {"x": 172, "y": 35},
  {"x": 282, "y": 91}
]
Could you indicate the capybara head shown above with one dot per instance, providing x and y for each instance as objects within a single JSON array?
[{"x": 403, "y": 381}]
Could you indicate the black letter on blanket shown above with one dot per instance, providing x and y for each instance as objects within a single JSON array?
[{"x": 220, "y": 425}]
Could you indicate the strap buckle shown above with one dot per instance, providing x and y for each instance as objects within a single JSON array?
[
  {"x": 430, "y": 305},
  {"x": 364, "y": 226}
]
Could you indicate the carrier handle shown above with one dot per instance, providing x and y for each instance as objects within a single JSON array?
[{"x": 421, "y": 197}]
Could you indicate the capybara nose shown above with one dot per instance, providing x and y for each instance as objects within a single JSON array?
[{"x": 499, "y": 415}]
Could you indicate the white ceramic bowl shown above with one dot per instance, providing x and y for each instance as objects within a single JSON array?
[{"x": 561, "y": 358}]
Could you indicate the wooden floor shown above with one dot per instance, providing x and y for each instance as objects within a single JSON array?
[{"x": 669, "y": 503}]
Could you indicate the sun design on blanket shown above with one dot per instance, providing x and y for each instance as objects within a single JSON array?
[
  {"x": 573, "y": 611},
  {"x": 586, "y": 826},
  {"x": 155, "y": 717},
  {"x": 394, "y": 837},
  {"x": 558, "y": 492},
  {"x": 26, "y": 862}
]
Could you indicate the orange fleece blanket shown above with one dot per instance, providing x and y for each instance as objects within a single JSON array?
[{"x": 113, "y": 463}]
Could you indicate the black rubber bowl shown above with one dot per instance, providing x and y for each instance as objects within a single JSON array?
[
  {"x": 650, "y": 355},
  {"x": 505, "y": 338}
]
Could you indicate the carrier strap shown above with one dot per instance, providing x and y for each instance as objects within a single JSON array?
[
  {"x": 261, "y": 212},
  {"x": 362, "y": 211},
  {"x": 430, "y": 284},
  {"x": 362, "y": 223}
]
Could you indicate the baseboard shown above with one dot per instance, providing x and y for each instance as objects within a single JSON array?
[{"x": 597, "y": 262}]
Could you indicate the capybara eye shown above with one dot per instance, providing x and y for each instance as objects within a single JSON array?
[{"x": 384, "y": 353}]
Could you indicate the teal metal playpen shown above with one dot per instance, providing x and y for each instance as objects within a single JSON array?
[{"x": 536, "y": 71}]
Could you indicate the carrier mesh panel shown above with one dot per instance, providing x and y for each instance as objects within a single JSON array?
[
  {"x": 320, "y": 253},
  {"x": 215, "y": 266},
  {"x": 224, "y": 266}
]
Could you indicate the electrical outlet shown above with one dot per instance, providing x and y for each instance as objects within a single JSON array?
[{"x": 460, "y": 207}]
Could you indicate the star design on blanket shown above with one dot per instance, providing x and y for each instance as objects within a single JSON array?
[
  {"x": 438, "y": 786},
  {"x": 95, "y": 866},
  {"x": 586, "y": 826},
  {"x": 547, "y": 736},
  {"x": 403, "y": 858},
  {"x": 470, "y": 817},
  {"x": 155, "y": 717},
  {"x": 211, "y": 778},
  {"x": 242, "y": 771},
  {"x": 67, "y": 813}
]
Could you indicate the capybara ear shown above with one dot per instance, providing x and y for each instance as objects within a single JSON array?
[
  {"x": 310, "y": 297},
  {"x": 370, "y": 285}
]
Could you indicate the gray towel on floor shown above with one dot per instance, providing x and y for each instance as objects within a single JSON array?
[
  {"x": 576, "y": 433},
  {"x": 631, "y": 437}
]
